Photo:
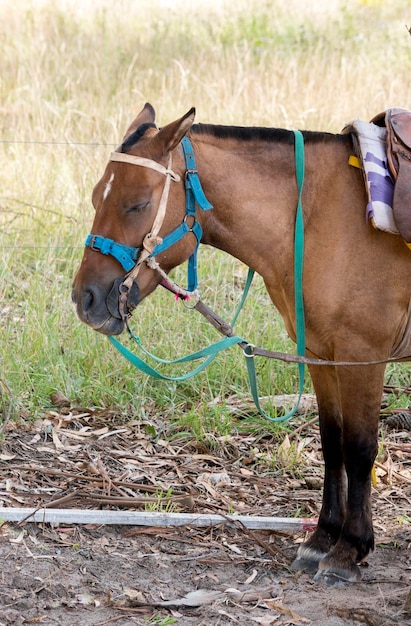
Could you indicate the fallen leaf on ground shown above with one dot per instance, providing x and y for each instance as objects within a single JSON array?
[{"x": 285, "y": 610}]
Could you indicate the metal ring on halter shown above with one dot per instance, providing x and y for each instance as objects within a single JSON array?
[{"x": 190, "y": 228}]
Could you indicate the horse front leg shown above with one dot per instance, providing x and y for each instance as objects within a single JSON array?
[
  {"x": 360, "y": 392},
  {"x": 332, "y": 514}
]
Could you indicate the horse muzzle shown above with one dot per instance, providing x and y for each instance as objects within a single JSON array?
[{"x": 101, "y": 311}]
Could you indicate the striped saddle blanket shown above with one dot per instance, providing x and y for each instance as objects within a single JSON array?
[{"x": 384, "y": 150}]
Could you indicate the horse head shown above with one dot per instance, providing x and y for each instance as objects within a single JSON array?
[{"x": 138, "y": 200}]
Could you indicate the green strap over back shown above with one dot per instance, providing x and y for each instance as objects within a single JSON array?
[
  {"x": 210, "y": 352},
  {"x": 298, "y": 290}
]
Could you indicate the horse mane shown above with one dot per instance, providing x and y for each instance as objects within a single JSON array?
[
  {"x": 242, "y": 133},
  {"x": 260, "y": 133}
]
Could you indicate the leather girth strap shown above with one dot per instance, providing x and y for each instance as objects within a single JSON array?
[{"x": 398, "y": 125}]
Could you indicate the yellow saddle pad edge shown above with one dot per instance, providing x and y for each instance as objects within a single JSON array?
[{"x": 354, "y": 161}]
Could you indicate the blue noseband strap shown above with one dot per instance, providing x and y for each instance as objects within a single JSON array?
[{"x": 127, "y": 256}]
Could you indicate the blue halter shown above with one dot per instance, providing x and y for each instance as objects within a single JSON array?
[{"x": 127, "y": 256}]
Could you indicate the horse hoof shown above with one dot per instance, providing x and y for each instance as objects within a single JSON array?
[
  {"x": 304, "y": 565},
  {"x": 338, "y": 576},
  {"x": 307, "y": 560}
]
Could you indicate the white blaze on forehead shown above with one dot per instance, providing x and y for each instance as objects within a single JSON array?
[{"x": 107, "y": 188}]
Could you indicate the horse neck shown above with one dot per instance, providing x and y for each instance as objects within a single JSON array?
[{"x": 251, "y": 184}]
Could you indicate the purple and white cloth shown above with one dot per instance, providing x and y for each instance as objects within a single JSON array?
[{"x": 379, "y": 183}]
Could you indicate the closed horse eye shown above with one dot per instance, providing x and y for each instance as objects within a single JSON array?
[{"x": 137, "y": 208}]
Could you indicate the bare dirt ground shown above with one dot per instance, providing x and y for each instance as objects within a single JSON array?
[{"x": 92, "y": 575}]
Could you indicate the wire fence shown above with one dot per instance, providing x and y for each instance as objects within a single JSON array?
[{"x": 58, "y": 143}]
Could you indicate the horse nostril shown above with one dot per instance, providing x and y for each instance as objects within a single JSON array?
[
  {"x": 87, "y": 300},
  {"x": 82, "y": 300}
]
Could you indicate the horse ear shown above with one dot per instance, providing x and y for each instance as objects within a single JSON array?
[
  {"x": 147, "y": 115},
  {"x": 170, "y": 136}
]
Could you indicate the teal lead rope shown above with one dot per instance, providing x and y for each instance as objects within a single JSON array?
[{"x": 211, "y": 351}]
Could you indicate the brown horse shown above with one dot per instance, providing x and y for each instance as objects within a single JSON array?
[{"x": 357, "y": 280}]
